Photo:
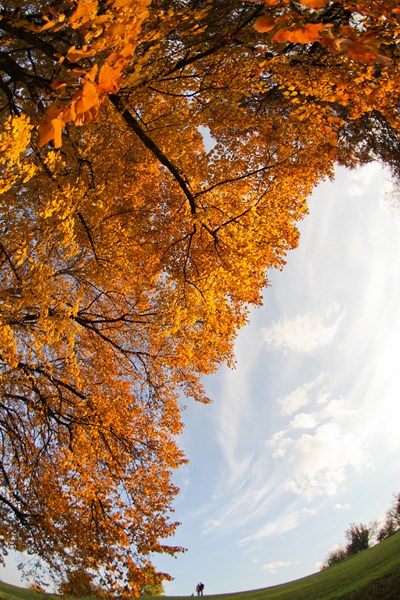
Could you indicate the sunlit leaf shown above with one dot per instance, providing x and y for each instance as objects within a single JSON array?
[
  {"x": 50, "y": 130},
  {"x": 305, "y": 35}
]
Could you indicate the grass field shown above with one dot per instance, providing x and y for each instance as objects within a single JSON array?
[{"x": 370, "y": 575}]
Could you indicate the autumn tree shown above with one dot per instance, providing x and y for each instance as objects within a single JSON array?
[
  {"x": 153, "y": 587},
  {"x": 131, "y": 248},
  {"x": 152, "y": 590},
  {"x": 78, "y": 583}
]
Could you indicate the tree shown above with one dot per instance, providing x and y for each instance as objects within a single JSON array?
[
  {"x": 131, "y": 251},
  {"x": 78, "y": 583},
  {"x": 336, "y": 555},
  {"x": 152, "y": 589},
  {"x": 392, "y": 520},
  {"x": 358, "y": 536}
]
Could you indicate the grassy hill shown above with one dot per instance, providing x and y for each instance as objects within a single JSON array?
[{"x": 370, "y": 575}]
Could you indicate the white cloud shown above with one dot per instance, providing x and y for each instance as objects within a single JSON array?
[
  {"x": 360, "y": 179},
  {"x": 337, "y": 410},
  {"x": 211, "y": 525},
  {"x": 320, "y": 448},
  {"x": 273, "y": 567},
  {"x": 318, "y": 462},
  {"x": 305, "y": 332},
  {"x": 339, "y": 506},
  {"x": 309, "y": 511},
  {"x": 303, "y": 421}
]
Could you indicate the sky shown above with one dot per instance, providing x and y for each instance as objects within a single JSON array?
[{"x": 302, "y": 437}]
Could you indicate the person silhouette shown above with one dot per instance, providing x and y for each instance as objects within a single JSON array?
[{"x": 200, "y": 588}]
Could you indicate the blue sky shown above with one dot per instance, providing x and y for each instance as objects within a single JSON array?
[{"x": 302, "y": 437}]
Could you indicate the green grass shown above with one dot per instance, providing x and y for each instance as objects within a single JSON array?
[
  {"x": 370, "y": 575},
  {"x": 12, "y": 592}
]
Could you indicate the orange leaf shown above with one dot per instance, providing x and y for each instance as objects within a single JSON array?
[
  {"x": 314, "y": 3},
  {"x": 108, "y": 78},
  {"x": 86, "y": 117},
  {"x": 47, "y": 25},
  {"x": 264, "y": 23},
  {"x": 57, "y": 125},
  {"x": 39, "y": 28},
  {"x": 75, "y": 55},
  {"x": 83, "y": 11},
  {"x": 50, "y": 129},
  {"x": 356, "y": 50},
  {"x": 87, "y": 98},
  {"x": 306, "y": 35},
  {"x": 69, "y": 113},
  {"x": 57, "y": 84}
]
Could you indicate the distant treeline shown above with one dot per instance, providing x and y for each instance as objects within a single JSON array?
[{"x": 361, "y": 537}]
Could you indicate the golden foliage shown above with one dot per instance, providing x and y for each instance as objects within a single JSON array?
[{"x": 14, "y": 140}]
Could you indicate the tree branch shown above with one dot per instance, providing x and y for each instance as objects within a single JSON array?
[{"x": 152, "y": 146}]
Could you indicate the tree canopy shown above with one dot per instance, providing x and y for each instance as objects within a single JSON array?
[{"x": 156, "y": 157}]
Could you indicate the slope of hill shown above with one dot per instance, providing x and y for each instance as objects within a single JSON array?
[{"x": 370, "y": 575}]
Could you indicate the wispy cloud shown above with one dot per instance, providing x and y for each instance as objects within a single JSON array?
[
  {"x": 232, "y": 413},
  {"x": 278, "y": 527},
  {"x": 244, "y": 505},
  {"x": 299, "y": 397},
  {"x": 305, "y": 332}
]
